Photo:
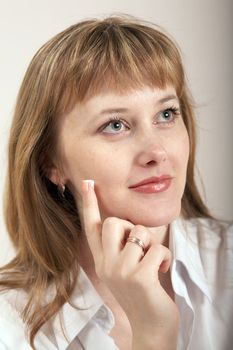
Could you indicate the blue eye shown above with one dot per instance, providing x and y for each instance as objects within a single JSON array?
[
  {"x": 114, "y": 126},
  {"x": 168, "y": 116}
]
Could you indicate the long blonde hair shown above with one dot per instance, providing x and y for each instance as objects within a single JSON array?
[{"x": 118, "y": 53}]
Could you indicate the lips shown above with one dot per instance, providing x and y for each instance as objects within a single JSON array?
[{"x": 153, "y": 184}]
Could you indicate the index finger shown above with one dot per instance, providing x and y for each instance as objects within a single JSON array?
[{"x": 91, "y": 217}]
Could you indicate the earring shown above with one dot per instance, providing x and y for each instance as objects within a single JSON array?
[{"x": 61, "y": 189}]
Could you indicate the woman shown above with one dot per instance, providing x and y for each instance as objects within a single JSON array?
[{"x": 131, "y": 259}]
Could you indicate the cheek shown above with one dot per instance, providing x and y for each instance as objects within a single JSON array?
[
  {"x": 186, "y": 147},
  {"x": 183, "y": 157},
  {"x": 110, "y": 170},
  {"x": 180, "y": 154},
  {"x": 97, "y": 163}
]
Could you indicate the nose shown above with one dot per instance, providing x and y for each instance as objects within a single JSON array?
[{"x": 152, "y": 153}]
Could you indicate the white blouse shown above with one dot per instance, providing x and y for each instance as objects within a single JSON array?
[{"x": 202, "y": 279}]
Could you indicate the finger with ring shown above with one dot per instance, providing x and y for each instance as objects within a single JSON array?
[{"x": 137, "y": 241}]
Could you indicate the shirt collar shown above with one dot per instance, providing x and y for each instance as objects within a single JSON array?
[{"x": 184, "y": 245}]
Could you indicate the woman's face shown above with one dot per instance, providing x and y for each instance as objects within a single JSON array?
[{"x": 120, "y": 140}]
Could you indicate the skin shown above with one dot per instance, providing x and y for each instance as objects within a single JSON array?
[
  {"x": 149, "y": 140},
  {"x": 142, "y": 149}
]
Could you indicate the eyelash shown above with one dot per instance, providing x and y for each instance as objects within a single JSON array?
[
  {"x": 175, "y": 113},
  {"x": 112, "y": 120}
]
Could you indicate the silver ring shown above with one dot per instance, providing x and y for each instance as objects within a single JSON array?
[{"x": 137, "y": 241}]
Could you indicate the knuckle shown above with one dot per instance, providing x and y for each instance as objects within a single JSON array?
[
  {"x": 164, "y": 250},
  {"x": 163, "y": 253},
  {"x": 139, "y": 228},
  {"x": 158, "y": 249},
  {"x": 109, "y": 222}
]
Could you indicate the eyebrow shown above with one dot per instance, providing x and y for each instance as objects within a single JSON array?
[
  {"x": 122, "y": 110},
  {"x": 168, "y": 98}
]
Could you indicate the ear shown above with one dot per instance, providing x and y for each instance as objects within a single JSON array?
[
  {"x": 51, "y": 171},
  {"x": 53, "y": 174}
]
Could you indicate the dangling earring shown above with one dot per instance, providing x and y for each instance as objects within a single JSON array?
[{"x": 62, "y": 188}]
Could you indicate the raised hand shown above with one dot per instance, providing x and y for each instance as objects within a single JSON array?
[{"x": 132, "y": 277}]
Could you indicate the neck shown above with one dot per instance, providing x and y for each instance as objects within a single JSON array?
[{"x": 160, "y": 234}]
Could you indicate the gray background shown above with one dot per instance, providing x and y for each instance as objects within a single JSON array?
[{"x": 203, "y": 29}]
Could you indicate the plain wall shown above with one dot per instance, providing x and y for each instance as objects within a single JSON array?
[{"x": 203, "y": 30}]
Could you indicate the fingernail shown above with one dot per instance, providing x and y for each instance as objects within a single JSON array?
[{"x": 87, "y": 185}]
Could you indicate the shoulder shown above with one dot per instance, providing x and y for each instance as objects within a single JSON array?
[
  {"x": 12, "y": 328},
  {"x": 210, "y": 233},
  {"x": 12, "y": 301},
  {"x": 207, "y": 240},
  {"x": 213, "y": 242}
]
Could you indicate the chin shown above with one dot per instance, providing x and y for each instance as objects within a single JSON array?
[{"x": 151, "y": 219}]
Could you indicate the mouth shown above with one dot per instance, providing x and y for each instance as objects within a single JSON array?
[{"x": 154, "y": 184}]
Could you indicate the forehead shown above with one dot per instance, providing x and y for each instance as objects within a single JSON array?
[{"x": 109, "y": 99}]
